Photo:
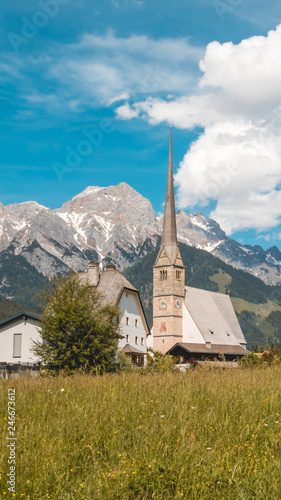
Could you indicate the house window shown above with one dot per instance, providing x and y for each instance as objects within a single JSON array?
[
  {"x": 163, "y": 275},
  {"x": 127, "y": 339},
  {"x": 136, "y": 340},
  {"x": 17, "y": 345},
  {"x": 127, "y": 320},
  {"x": 142, "y": 341},
  {"x": 178, "y": 275},
  {"x": 136, "y": 323}
]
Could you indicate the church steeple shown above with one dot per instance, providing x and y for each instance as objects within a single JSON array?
[
  {"x": 168, "y": 276},
  {"x": 169, "y": 235}
]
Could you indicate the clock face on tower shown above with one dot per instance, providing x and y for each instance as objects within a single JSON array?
[
  {"x": 163, "y": 304},
  {"x": 178, "y": 303}
]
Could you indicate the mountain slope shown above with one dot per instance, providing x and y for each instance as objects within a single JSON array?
[{"x": 111, "y": 224}]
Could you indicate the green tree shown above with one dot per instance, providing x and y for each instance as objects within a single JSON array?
[{"x": 78, "y": 330}]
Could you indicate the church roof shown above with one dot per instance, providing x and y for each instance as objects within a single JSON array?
[
  {"x": 214, "y": 316},
  {"x": 169, "y": 235}
]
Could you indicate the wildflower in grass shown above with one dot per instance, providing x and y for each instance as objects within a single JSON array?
[{"x": 62, "y": 390}]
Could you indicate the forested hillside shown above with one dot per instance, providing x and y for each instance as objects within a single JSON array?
[
  {"x": 9, "y": 308},
  {"x": 20, "y": 280}
]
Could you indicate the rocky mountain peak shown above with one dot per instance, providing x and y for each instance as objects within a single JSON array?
[{"x": 116, "y": 224}]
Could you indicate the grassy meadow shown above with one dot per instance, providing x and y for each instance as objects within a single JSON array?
[{"x": 204, "y": 434}]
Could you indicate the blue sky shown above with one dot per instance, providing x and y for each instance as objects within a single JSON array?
[{"x": 88, "y": 89}]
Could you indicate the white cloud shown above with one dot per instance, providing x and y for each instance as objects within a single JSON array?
[
  {"x": 183, "y": 112},
  {"x": 249, "y": 72},
  {"x": 101, "y": 67},
  {"x": 120, "y": 97},
  {"x": 127, "y": 113},
  {"x": 236, "y": 161},
  {"x": 260, "y": 211},
  {"x": 237, "y": 164},
  {"x": 98, "y": 70}
]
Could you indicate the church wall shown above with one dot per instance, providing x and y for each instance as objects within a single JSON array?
[
  {"x": 167, "y": 322},
  {"x": 166, "y": 333},
  {"x": 168, "y": 297},
  {"x": 190, "y": 331},
  {"x": 169, "y": 285}
]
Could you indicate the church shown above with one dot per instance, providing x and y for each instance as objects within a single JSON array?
[{"x": 189, "y": 322}]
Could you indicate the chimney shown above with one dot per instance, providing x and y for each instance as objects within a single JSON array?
[
  {"x": 94, "y": 272},
  {"x": 110, "y": 267}
]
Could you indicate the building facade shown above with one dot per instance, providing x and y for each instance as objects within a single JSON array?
[
  {"x": 118, "y": 291},
  {"x": 17, "y": 335}
]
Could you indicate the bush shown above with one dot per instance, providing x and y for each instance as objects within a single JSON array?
[
  {"x": 251, "y": 361},
  {"x": 161, "y": 362},
  {"x": 124, "y": 362}
]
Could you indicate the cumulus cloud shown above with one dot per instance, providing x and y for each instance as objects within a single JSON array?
[
  {"x": 250, "y": 72},
  {"x": 237, "y": 164},
  {"x": 236, "y": 161}
]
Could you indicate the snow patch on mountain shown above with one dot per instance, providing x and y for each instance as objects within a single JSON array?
[{"x": 116, "y": 224}]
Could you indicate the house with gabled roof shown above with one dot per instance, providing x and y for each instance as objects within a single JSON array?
[
  {"x": 189, "y": 322},
  {"x": 17, "y": 335},
  {"x": 118, "y": 291}
]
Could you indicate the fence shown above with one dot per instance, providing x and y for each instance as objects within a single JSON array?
[{"x": 15, "y": 370}]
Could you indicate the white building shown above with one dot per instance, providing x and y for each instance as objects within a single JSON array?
[
  {"x": 17, "y": 334},
  {"x": 118, "y": 291},
  {"x": 16, "y": 340}
]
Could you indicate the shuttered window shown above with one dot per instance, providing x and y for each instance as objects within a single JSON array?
[{"x": 17, "y": 345}]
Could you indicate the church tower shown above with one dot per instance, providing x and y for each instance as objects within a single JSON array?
[{"x": 168, "y": 276}]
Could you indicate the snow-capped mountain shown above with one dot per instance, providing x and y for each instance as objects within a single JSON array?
[{"x": 114, "y": 224}]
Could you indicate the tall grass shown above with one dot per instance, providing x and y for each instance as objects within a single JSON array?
[{"x": 199, "y": 435}]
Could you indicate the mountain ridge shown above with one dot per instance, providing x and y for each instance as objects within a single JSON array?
[{"x": 114, "y": 224}]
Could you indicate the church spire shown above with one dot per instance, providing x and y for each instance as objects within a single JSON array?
[{"x": 169, "y": 235}]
